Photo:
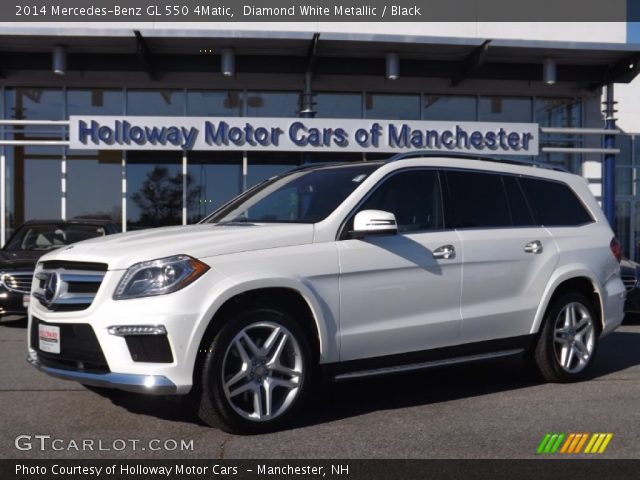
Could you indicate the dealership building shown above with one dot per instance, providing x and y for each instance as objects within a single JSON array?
[{"x": 542, "y": 85}]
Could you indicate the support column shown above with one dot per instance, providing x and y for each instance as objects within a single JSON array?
[
  {"x": 307, "y": 106},
  {"x": 609, "y": 164}
]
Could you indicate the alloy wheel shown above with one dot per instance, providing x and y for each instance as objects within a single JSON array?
[
  {"x": 574, "y": 337},
  {"x": 262, "y": 371}
]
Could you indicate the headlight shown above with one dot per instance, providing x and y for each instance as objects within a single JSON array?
[{"x": 157, "y": 277}]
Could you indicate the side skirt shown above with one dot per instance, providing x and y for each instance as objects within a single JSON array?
[{"x": 440, "y": 357}]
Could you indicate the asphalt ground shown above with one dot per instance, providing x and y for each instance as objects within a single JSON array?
[{"x": 483, "y": 410}]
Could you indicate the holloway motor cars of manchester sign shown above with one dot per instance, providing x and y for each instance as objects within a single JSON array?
[{"x": 300, "y": 134}]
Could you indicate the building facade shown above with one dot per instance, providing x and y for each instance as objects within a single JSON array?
[{"x": 447, "y": 72}]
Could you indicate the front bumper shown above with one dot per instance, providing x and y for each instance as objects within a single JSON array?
[
  {"x": 153, "y": 384},
  {"x": 11, "y": 302},
  {"x": 111, "y": 360}
]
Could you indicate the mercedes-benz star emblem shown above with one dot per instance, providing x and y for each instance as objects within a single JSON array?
[{"x": 51, "y": 287}]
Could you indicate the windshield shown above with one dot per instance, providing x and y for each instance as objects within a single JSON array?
[
  {"x": 301, "y": 196},
  {"x": 48, "y": 237}
]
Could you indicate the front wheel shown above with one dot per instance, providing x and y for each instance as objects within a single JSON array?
[
  {"x": 255, "y": 373},
  {"x": 568, "y": 342}
]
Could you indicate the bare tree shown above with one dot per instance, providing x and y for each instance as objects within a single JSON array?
[{"x": 160, "y": 198}]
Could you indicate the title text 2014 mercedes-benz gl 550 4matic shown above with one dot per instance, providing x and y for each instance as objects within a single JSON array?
[{"x": 348, "y": 270}]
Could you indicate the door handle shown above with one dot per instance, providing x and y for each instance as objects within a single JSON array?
[
  {"x": 445, "y": 252},
  {"x": 533, "y": 247}
]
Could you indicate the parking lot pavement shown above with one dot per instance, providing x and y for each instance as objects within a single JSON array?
[{"x": 484, "y": 410}]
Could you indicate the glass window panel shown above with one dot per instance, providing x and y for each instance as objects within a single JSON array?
[
  {"x": 33, "y": 182},
  {"x": 338, "y": 105},
  {"x": 214, "y": 178},
  {"x": 320, "y": 157},
  {"x": 155, "y": 102},
  {"x": 559, "y": 112},
  {"x": 93, "y": 171},
  {"x": 95, "y": 101},
  {"x": 624, "y": 181},
  {"x": 264, "y": 165},
  {"x": 413, "y": 197},
  {"x": 569, "y": 161},
  {"x": 565, "y": 113},
  {"x": 505, "y": 109},
  {"x": 392, "y": 107},
  {"x": 554, "y": 204},
  {"x": 154, "y": 189},
  {"x": 273, "y": 104},
  {"x": 34, "y": 104},
  {"x": 449, "y": 107},
  {"x": 625, "y": 144},
  {"x": 518, "y": 207},
  {"x": 623, "y": 226},
  {"x": 636, "y": 233},
  {"x": 215, "y": 104}
]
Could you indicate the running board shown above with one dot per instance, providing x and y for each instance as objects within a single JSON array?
[{"x": 424, "y": 365}]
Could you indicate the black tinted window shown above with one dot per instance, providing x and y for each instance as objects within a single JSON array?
[
  {"x": 554, "y": 203},
  {"x": 301, "y": 196},
  {"x": 413, "y": 197},
  {"x": 477, "y": 200},
  {"x": 520, "y": 211}
]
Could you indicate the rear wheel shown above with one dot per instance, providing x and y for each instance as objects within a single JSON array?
[
  {"x": 256, "y": 373},
  {"x": 567, "y": 345}
]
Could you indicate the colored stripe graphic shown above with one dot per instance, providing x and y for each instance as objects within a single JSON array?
[
  {"x": 565, "y": 447},
  {"x": 543, "y": 443},
  {"x": 550, "y": 443},
  {"x": 582, "y": 441},
  {"x": 573, "y": 443},
  {"x": 598, "y": 442}
]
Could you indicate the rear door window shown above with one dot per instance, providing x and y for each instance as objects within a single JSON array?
[
  {"x": 477, "y": 200},
  {"x": 554, "y": 204},
  {"x": 521, "y": 215}
]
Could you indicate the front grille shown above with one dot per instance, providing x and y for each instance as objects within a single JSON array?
[
  {"x": 19, "y": 282},
  {"x": 629, "y": 281},
  {"x": 79, "y": 348},
  {"x": 68, "y": 286},
  {"x": 64, "y": 265}
]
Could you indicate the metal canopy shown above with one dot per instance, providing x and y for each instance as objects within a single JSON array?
[{"x": 589, "y": 64}]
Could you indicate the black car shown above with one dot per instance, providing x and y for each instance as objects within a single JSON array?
[
  {"x": 28, "y": 243},
  {"x": 631, "y": 277}
]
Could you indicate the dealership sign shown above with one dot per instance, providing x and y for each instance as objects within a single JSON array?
[{"x": 301, "y": 134}]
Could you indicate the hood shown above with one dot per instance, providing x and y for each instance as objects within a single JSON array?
[
  {"x": 20, "y": 259},
  {"x": 122, "y": 250},
  {"x": 628, "y": 266}
]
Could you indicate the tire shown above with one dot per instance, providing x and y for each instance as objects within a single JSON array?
[
  {"x": 247, "y": 386},
  {"x": 567, "y": 345}
]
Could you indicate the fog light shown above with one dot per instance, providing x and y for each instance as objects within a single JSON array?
[
  {"x": 126, "y": 330},
  {"x": 149, "y": 382}
]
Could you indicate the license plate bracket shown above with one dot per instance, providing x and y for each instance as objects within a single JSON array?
[{"x": 49, "y": 338}]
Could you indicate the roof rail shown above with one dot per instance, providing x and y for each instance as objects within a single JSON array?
[{"x": 511, "y": 161}]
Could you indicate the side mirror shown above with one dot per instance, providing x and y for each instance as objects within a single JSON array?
[{"x": 374, "y": 222}]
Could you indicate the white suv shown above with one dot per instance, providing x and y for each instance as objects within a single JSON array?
[{"x": 346, "y": 270}]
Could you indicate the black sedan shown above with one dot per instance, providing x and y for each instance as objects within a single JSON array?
[
  {"x": 29, "y": 242},
  {"x": 631, "y": 277}
]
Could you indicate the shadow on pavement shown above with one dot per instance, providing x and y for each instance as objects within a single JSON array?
[
  {"x": 14, "y": 321},
  {"x": 338, "y": 401},
  {"x": 172, "y": 408}
]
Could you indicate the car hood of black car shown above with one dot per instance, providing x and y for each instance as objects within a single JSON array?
[{"x": 20, "y": 259}]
